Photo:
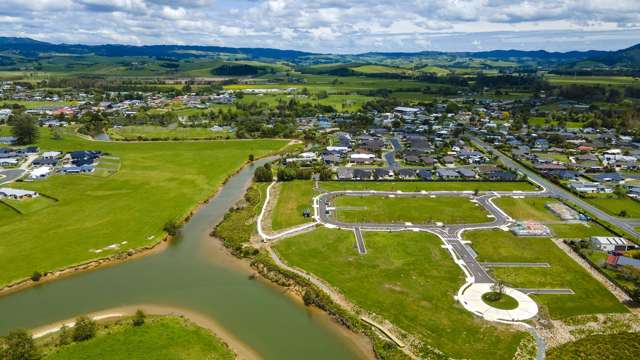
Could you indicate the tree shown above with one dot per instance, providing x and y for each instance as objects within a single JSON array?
[
  {"x": 25, "y": 129},
  {"x": 19, "y": 345},
  {"x": 251, "y": 157},
  {"x": 84, "y": 329},
  {"x": 263, "y": 174},
  {"x": 138, "y": 318},
  {"x": 498, "y": 287},
  {"x": 622, "y": 213}
]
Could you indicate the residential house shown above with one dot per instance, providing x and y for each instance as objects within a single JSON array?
[
  {"x": 425, "y": 174},
  {"x": 611, "y": 243},
  {"x": 345, "y": 173},
  {"x": 447, "y": 174},
  {"x": 382, "y": 174},
  {"x": 466, "y": 173},
  {"x": 589, "y": 187},
  {"x": 362, "y": 174},
  {"x": 407, "y": 174},
  {"x": 17, "y": 194}
]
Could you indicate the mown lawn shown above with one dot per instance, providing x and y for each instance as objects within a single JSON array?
[
  {"x": 294, "y": 197},
  {"x": 408, "y": 279},
  {"x": 624, "y": 346},
  {"x": 158, "y": 338},
  {"x": 157, "y": 182},
  {"x": 527, "y": 209},
  {"x": 590, "y": 296},
  {"x": 614, "y": 206},
  {"x": 418, "y": 210},
  {"x": 427, "y": 186}
]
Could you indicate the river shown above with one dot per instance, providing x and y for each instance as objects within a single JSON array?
[{"x": 197, "y": 274}]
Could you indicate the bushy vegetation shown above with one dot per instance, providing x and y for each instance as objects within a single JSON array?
[{"x": 624, "y": 346}]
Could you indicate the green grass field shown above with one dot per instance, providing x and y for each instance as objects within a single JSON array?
[
  {"x": 426, "y": 186},
  {"x": 294, "y": 197},
  {"x": 418, "y": 210},
  {"x": 526, "y": 209},
  {"x": 408, "y": 279},
  {"x": 578, "y": 231},
  {"x": 592, "y": 80},
  {"x": 159, "y": 338},
  {"x": 590, "y": 296},
  {"x": 157, "y": 182},
  {"x": 28, "y": 206},
  {"x": 625, "y": 346},
  {"x": 614, "y": 206},
  {"x": 159, "y": 132}
]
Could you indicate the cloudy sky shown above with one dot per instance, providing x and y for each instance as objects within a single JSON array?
[{"x": 342, "y": 26}]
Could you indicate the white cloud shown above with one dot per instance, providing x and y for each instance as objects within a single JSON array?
[{"x": 331, "y": 25}]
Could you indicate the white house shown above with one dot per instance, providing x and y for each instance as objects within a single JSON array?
[
  {"x": 611, "y": 243},
  {"x": 338, "y": 149},
  {"x": 17, "y": 194},
  {"x": 51, "y": 154},
  {"x": 589, "y": 187},
  {"x": 40, "y": 172}
]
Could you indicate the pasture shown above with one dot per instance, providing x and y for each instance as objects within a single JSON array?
[{"x": 157, "y": 182}]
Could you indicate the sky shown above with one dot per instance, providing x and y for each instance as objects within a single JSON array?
[{"x": 332, "y": 26}]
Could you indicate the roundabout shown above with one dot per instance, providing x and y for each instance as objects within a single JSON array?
[{"x": 516, "y": 305}]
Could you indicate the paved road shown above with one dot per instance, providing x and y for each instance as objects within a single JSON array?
[
  {"x": 7, "y": 176},
  {"x": 390, "y": 157},
  {"x": 547, "y": 291},
  {"x": 362, "y": 249},
  {"x": 515, "y": 264},
  {"x": 556, "y": 191}
]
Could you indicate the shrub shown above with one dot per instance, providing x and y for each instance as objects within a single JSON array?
[
  {"x": 36, "y": 276},
  {"x": 19, "y": 345},
  {"x": 138, "y": 318},
  {"x": 171, "y": 227},
  {"x": 65, "y": 337},
  {"x": 84, "y": 329}
]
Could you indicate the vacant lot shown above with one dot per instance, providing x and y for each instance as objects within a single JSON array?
[
  {"x": 293, "y": 199},
  {"x": 613, "y": 206},
  {"x": 590, "y": 296},
  {"x": 159, "y": 132},
  {"x": 158, "y": 338},
  {"x": 408, "y": 279},
  {"x": 427, "y": 186},
  {"x": 526, "y": 209},
  {"x": 578, "y": 231},
  {"x": 418, "y": 210},
  {"x": 157, "y": 182}
]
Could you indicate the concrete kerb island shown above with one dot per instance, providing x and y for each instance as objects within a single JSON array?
[{"x": 471, "y": 298}]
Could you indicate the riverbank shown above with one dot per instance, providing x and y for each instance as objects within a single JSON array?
[
  {"x": 241, "y": 349},
  {"x": 130, "y": 254},
  {"x": 361, "y": 336}
]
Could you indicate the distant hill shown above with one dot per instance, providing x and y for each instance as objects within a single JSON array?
[
  {"x": 625, "y": 57},
  {"x": 15, "y": 51}
]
